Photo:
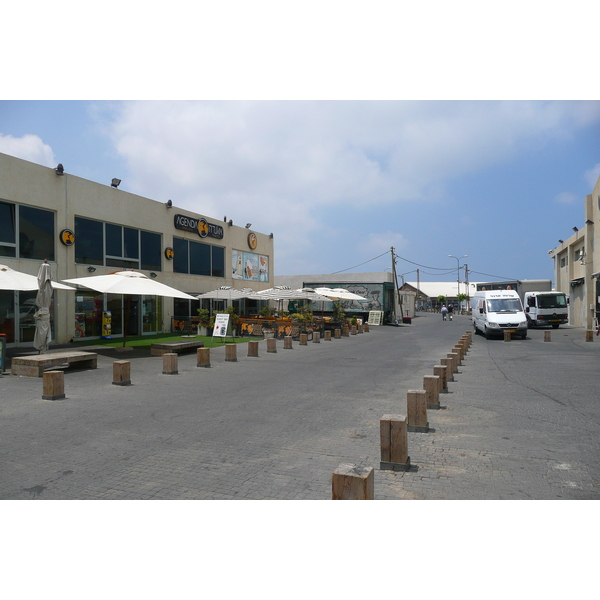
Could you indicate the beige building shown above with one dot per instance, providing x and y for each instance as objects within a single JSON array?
[
  {"x": 577, "y": 265},
  {"x": 85, "y": 228}
]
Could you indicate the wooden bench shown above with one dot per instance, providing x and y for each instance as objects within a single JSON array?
[
  {"x": 34, "y": 366},
  {"x": 158, "y": 349}
]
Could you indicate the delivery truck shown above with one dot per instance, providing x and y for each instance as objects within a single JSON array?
[{"x": 495, "y": 311}]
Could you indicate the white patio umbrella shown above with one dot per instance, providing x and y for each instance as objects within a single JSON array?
[
  {"x": 42, "y": 336},
  {"x": 226, "y": 292},
  {"x": 22, "y": 282},
  {"x": 128, "y": 283},
  {"x": 339, "y": 294}
]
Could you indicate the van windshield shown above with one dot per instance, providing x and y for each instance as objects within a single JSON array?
[
  {"x": 552, "y": 301},
  {"x": 504, "y": 305}
]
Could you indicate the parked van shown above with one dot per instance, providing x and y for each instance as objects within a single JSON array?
[{"x": 496, "y": 311}]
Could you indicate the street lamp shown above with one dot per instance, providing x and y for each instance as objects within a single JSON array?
[{"x": 458, "y": 271}]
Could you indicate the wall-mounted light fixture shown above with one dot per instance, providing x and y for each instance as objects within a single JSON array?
[
  {"x": 225, "y": 219},
  {"x": 271, "y": 235},
  {"x": 115, "y": 182},
  {"x": 560, "y": 241},
  {"x": 575, "y": 229},
  {"x": 230, "y": 222},
  {"x": 589, "y": 222},
  {"x": 169, "y": 203},
  {"x": 248, "y": 225},
  {"x": 60, "y": 170},
  {"x": 153, "y": 275},
  {"x": 91, "y": 269}
]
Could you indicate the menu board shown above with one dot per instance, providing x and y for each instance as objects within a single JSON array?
[
  {"x": 375, "y": 317},
  {"x": 221, "y": 323}
]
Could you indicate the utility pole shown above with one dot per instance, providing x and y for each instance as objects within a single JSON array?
[
  {"x": 467, "y": 284},
  {"x": 397, "y": 291},
  {"x": 418, "y": 287}
]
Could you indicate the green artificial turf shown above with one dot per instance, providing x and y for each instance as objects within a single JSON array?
[{"x": 145, "y": 341}]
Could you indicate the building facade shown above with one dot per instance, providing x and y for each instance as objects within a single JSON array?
[
  {"x": 577, "y": 265},
  {"x": 84, "y": 228}
]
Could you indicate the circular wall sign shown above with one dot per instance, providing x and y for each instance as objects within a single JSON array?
[
  {"x": 252, "y": 240},
  {"x": 169, "y": 254},
  {"x": 67, "y": 237}
]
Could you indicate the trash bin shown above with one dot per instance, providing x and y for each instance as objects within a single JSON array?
[{"x": 407, "y": 320}]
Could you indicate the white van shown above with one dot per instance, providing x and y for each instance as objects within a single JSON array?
[{"x": 496, "y": 311}]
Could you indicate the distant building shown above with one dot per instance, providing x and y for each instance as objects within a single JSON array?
[
  {"x": 577, "y": 265},
  {"x": 428, "y": 292}
]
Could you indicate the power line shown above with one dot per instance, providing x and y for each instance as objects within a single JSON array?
[
  {"x": 496, "y": 276},
  {"x": 363, "y": 263}
]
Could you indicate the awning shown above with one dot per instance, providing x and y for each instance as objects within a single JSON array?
[{"x": 576, "y": 282}]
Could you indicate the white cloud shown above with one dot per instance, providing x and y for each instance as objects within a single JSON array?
[
  {"x": 29, "y": 147},
  {"x": 565, "y": 198}
]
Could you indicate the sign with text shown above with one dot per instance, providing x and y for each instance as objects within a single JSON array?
[
  {"x": 375, "y": 317},
  {"x": 221, "y": 325},
  {"x": 200, "y": 226}
]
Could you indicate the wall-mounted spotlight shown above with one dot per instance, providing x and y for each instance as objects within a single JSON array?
[
  {"x": 153, "y": 275},
  {"x": 169, "y": 203},
  {"x": 115, "y": 182},
  {"x": 560, "y": 241},
  {"x": 225, "y": 219},
  {"x": 248, "y": 225},
  {"x": 230, "y": 222},
  {"x": 91, "y": 269},
  {"x": 589, "y": 222},
  {"x": 60, "y": 170},
  {"x": 575, "y": 229},
  {"x": 271, "y": 235}
]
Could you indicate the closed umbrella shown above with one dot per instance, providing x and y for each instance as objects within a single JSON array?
[{"x": 42, "y": 336}]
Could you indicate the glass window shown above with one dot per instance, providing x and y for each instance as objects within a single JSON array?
[
  {"x": 36, "y": 233},
  {"x": 199, "y": 258},
  {"x": 180, "y": 260},
  {"x": 218, "y": 261},
  {"x": 114, "y": 240},
  {"x": 7, "y": 230},
  {"x": 131, "y": 241},
  {"x": 150, "y": 251},
  {"x": 89, "y": 241}
]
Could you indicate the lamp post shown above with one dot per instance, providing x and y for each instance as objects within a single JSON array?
[{"x": 458, "y": 271}]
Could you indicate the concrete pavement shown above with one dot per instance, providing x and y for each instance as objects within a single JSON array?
[{"x": 521, "y": 421}]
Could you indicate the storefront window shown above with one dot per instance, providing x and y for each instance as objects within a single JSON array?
[
  {"x": 88, "y": 315},
  {"x": 27, "y": 309},
  {"x": 150, "y": 251},
  {"x": 218, "y": 261},
  {"x": 89, "y": 241},
  {"x": 115, "y": 306},
  {"x": 180, "y": 261},
  {"x": 7, "y": 315},
  {"x": 151, "y": 311},
  {"x": 199, "y": 259},
  {"x": 7, "y": 230},
  {"x": 36, "y": 233}
]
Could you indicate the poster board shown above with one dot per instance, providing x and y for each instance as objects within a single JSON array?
[
  {"x": 221, "y": 325},
  {"x": 375, "y": 317}
]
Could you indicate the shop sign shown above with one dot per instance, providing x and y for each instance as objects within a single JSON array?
[
  {"x": 200, "y": 226},
  {"x": 169, "y": 253},
  {"x": 67, "y": 237},
  {"x": 252, "y": 240}
]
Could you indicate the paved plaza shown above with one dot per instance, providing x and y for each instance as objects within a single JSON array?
[{"x": 521, "y": 421}]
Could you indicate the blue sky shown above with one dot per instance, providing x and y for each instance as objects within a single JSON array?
[{"x": 418, "y": 128}]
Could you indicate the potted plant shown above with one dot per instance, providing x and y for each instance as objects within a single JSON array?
[{"x": 204, "y": 321}]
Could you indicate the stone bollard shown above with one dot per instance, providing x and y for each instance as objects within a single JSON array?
[
  {"x": 170, "y": 363},
  {"x": 203, "y": 357},
  {"x": 366, "y": 327},
  {"x": 461, "y": 349},
  {"x": 54, "y": 385},
  {"x": 431, "y": 385},
  {"x": 458, "y": 350},
  {"x": 287, "y": 342},
  {"x": 271, "y": 345},
  {"x": 447, "y": 362},
  {"x": 316, "y": 337},
  {"x": 354, "y": 330},
  {"x": 328, "y": 335},
  {"x": 253, "y": 349},
  {"x": 230, "y": 352},
  {"x": 442, "y": 372},
  {"x": 507, "y": 336},
  {"x": 353, "y": 482},
  {"x": 394, "y": 443},
  {"x": 454, "y": 358},
  {"x": 121, "y": 372},
  {"x": 589, "y": 335},
  {"x": 337, "y": 334},
  {"x": 346, "y": 331},
  {"x": 416, "y": 401},
  {"x": 303, "y": 339},
  {"x": 547, "y": 336}
]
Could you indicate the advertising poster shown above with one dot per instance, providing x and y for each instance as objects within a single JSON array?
[
  {"x": 221, "y": 324},
  {"x": 249, "y": 266}
]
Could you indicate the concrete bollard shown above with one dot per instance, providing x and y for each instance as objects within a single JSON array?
[
  {"x": 589, "y": 335},
  {"x": 253, "y": 349},
  {"x": 287, "y": 342},
  {"x": 54, "y": 385},
  {"x": 316, "y": 337},
  {"x": 416, "y": 401},
  {"x": 394, "y": 443},
  {"x": 353, "y": 330},
  {"x": 203, "y": 357},
  {"x": 366, "y": 327},
  {"x": 328, "y": 335},
  {"x": 458, "y": 350},
  {"x": 461, "y": 349},
  {"x": 170, "y": 363},
  {"x": 360, "y": 328},
  {"x": 230, "y": 352},
  {"x": 454, "y": 358},
  {"x": 121, "y": 372},
  {"x": 345, "y": 331},
  {"x": 431, "y": 385},
  {"x": 353, "y": 482},
  {"x": 303, "y": 339},
  {"x": 271, "y": 345},
  {"x": 547, "y": 337},
  {"x": 447, "y": 362},
  {"x": 337, "y": 334},
  {"x": 442, "y": 373}
]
